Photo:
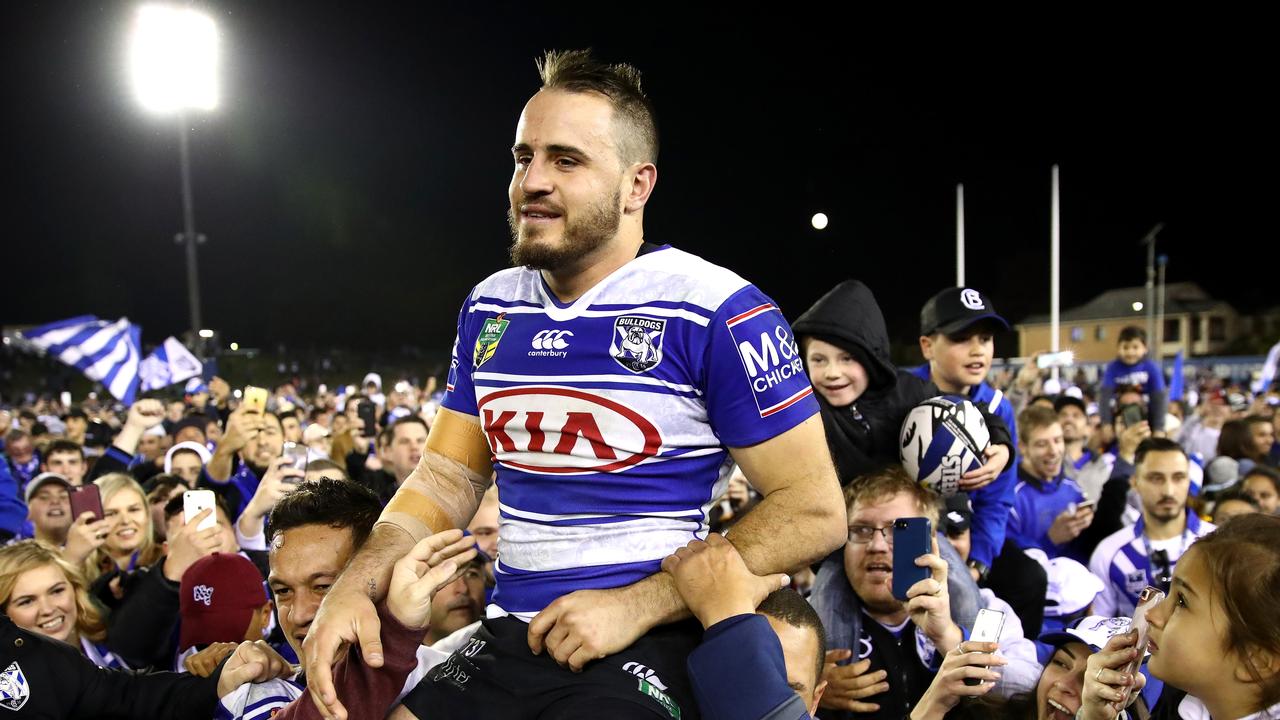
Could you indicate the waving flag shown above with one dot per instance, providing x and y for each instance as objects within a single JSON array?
[
  {"x": 170, "y": 363},
  {"x": 104, "y": 351}
]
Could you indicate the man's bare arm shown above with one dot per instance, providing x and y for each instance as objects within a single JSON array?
[{"x": 801, "y": 519}]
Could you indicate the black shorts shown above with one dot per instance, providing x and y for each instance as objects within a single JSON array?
[{"x": 496, "y": 677}]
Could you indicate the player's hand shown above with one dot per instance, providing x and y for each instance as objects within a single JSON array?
[
  {"x": 1068, "y": 525},
  {"x": 849, "y": 685},
  {"x": 586, "y": 625},
  {"x": 714, "y": 581},
  {"x": 346, "y": 616},
  {"x": 433, "y": 563},
  {"x": 929, "y": 603},
  {"x": 203, "y": 663},
  {"x": 968, "y": 660},
  {"x": 978, "y": 478},
  {"x": 1107, "y": 688}
]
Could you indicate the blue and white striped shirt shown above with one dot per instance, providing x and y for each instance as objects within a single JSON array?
[
  {"x": 1122, "y": 563},
  {"x": 609, "y": 417}
]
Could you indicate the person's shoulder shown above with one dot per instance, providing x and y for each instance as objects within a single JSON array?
[
  {"x": 673, "y": 275},
  {"x": 1112, "y": 544},
  {"x": 508, "y": 285}
]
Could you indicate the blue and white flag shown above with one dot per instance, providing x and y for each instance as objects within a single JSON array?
[
  {"x": 104, "y": 351},
  {"x": 1268, "y": 375},
  {"x": 170, "y": 363}
]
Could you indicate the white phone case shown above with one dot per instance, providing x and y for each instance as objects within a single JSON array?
[{"x": 195, "y": 501}]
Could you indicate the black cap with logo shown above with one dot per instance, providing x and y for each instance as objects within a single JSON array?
[{"x": 955, "y": 309}]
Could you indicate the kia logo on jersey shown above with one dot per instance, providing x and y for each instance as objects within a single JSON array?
[{"x": 564, "y": 431}]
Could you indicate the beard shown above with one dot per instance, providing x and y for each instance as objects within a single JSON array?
[{"x": 583, "y": 235}]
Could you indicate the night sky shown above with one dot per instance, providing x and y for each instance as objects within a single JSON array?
[{"x": 353, "y": 182}]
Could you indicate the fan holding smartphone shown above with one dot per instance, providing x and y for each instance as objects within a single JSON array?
[
  {"x": 253, "y": 438},
  {"x": 890, "y": 568}
]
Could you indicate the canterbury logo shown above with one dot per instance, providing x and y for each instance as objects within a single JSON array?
[
  {"x": 551, "y": 339},
  {"x": 644, "y": 673}
]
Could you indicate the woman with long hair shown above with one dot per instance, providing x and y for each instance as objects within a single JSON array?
[
  {"x": 130, "y": 542},
  {"x": 43, "y": 593}
]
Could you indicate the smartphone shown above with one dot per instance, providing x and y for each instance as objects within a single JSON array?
[
  {"x": 297, "y": 453},
  {"x": 1132, "y": 414},
  {"x": 196, "y": 501},
  {"x": 1149, "y": 598},
  {"x": 368, "y": 413},
  {"x": 1074, "y": 508},
  {"x": 1059, "y": 359},
  {"x": 86, "y": 498},
  {"x": 255, "y": 398},
  {"x": 986, "y": 628},
  {"x": 911, "y": 539}
]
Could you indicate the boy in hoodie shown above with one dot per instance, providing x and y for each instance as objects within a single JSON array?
[{"x": 864, "y": 398}]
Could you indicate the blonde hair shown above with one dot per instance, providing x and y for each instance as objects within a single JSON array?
[
  {"x": 30, "y": 555},
  {"x": 100, "y": 561}
]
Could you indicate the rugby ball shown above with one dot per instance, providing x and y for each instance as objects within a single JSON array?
[{"x": 941, "y": 439}]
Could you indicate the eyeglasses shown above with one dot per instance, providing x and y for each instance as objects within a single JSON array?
[
  {"x": 862, "y": 534},
  {"x": 1163, "y": 573}
]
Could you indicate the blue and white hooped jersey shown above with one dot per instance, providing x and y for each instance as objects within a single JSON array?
[{"x": 609, "y": 417}]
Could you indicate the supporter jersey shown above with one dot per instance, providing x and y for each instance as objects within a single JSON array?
[
  {"x": 259, "y": 701},
  {"x": 1035, "y": 506},
  {"x": 1122, "y": 561},
  {"x": 1145, "y": 374},
  {"x": 609, "y": 417}
]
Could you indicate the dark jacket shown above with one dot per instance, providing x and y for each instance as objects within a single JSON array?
[
  {"x": 850, "y": 318},
  {"x": 142, "y": 625},
  {"x": 863, "y": 437},
  {"x": 43, "y": 678}
]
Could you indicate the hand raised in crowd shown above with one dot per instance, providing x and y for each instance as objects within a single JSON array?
[
  {"x": 203, "y": 663},
  {"x": 1029, "y": 374},
  {"x": 85, "y": 536},
  {"x": 849, "y": 685},
  {"x": 1107, "y": 688},
  {"x": 252, "y": 662},
  {"x": 929, "y": 603},
  {"x": 970, "y": 660},
  {"x": 432, "y": 564},
  {"x": 242, "y": 426},
  {"x": 145, "y": 414},
  {"x": 715, "y": 582},
  {"x": 1069, "y": 524},
  {"x": 1130, "y": 438},
  {"x": 280, "y": 479},
  {"x": 188, "y": 545},
  {"x": 978, "y": 478}
]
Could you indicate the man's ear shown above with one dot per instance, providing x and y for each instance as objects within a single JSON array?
[
  {"x": 817, "y": 697},
  {"x": 644, "y": 177}
]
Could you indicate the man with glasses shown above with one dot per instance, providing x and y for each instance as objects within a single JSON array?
[
  {"x": 1146, "y": 553},
  {"x": 884, "y": 652}
]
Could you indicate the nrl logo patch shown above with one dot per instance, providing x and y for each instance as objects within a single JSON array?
[
  {"x": 14, "y": 690},
  {"x": 637, "y": 342},
  {"x": 490, "y": 335}
]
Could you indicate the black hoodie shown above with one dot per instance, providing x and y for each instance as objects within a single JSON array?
[{"x": 863, "y": 436}]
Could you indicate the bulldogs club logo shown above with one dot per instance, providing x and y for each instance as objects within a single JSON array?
[{"x": 637, "y": 342}]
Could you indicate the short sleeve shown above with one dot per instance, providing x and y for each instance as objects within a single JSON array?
[
  {"x": 753, "y": 379},
  {"x": 459, "y": 390}
]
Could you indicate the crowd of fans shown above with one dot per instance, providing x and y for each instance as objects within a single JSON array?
[
  {"x": 186, "y": 556},
  {"x": 1090, "y": 513}
]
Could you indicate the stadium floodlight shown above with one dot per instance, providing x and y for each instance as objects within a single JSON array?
[
  {"x": 1137, "y": 306},
  {"x": 173, "y": 59},
  {"x": 819, "y": 221},
  {"x": 206, "y": 333}
]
